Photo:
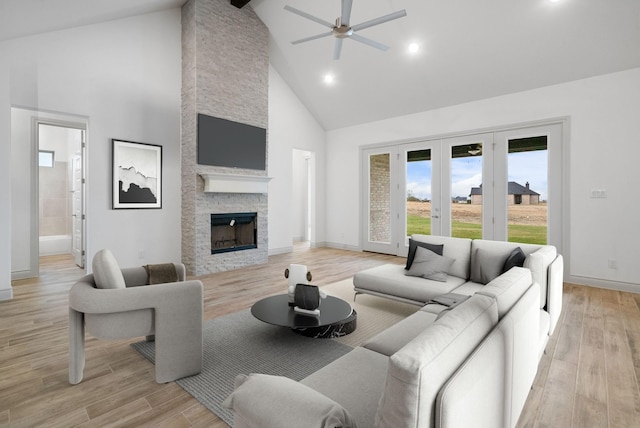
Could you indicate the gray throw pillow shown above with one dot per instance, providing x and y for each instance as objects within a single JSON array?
[
  {"x": 430, "y": 265},
  {"x": 413, "y": 244},
  {"x": 486, "y": 265},
  {"x": 260, "y": 400},
  {"x": 106, "y": 272}
]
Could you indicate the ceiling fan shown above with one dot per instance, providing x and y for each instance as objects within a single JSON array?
[{"x": 343, "y": 30}]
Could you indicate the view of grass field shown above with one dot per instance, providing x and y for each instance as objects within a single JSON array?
[{"x": 527, "y": 223}]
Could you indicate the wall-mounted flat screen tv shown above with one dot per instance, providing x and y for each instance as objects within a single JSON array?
[{"x": 225, "y": 143}]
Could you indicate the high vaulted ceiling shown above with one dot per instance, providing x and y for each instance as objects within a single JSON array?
[{"x": 469, "y": 49}]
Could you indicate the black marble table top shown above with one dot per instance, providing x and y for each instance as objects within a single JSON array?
[{"x": 336, "y": 317}]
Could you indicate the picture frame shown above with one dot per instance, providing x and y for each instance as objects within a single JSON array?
[{"x": 137, "y": 175}]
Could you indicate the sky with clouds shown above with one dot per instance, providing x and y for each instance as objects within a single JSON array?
[{"x": 467, "y": 173}]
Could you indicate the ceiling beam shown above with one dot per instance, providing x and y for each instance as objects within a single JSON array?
[{"x": 239, "y": 3}]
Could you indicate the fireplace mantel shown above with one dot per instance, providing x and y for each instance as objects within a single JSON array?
[{"x": 231, "y": 183}]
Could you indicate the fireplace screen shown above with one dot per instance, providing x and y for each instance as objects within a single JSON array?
[{"x": 233, "y": 232}]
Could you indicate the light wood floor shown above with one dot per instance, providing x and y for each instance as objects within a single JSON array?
[{"x": 588, "y": 378}]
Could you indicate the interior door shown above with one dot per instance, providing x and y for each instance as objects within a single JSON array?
[
  {"x": 381, "y": 216},
  {"x": 77, "y": 242}
]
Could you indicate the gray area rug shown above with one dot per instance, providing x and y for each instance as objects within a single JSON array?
[{"x": 239, "y": 343}]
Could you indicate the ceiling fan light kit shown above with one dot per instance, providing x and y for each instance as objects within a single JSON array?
[{"x": 343, "y": 30}]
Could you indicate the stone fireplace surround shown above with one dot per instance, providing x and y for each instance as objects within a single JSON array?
[{"x": 225, "y": 77}]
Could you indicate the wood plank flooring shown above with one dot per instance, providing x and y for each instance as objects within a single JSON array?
[{"x": 588, "y": 377}]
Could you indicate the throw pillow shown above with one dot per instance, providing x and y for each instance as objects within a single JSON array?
[
  {"x": 266, "y": 400},
  {"x": 106, "y": 272},
  {"x": 413, "y": 244},
  {"x": 430, "y": 265},
  {"x": 486, "y": 265},
  {"x": 516, "y": 258}
]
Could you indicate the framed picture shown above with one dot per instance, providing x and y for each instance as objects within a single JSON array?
[{"x": 137, "y": 175}]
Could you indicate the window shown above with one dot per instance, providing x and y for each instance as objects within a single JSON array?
[{"x": 46, "y": 158}]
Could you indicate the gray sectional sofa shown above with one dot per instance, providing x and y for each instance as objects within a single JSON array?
[{"x": 468, "y": 365}]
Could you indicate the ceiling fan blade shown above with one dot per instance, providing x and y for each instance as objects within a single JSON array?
[
  {"x": 306, "y": 15},
  {"x": 381, "y": 20},
  {"x": 307, "y": 39},
  {"x": 346, "y": 12},
  {"x": 369, "y": 42},
  {"x": 337, "y": 48}
]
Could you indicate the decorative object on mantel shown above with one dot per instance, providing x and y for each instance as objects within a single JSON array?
[
  {"x": 137, "y": 175},
  {"x": 296, "y": 274},
  {"x": 232, "y": 183}
]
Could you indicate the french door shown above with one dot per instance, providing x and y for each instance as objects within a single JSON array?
[
  {"x": 380, "y": 178},
  {"x": 492, "y": 185}
]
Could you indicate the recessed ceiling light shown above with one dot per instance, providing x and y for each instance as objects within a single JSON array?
[
  {"x": 329, "y": 79},
  {"x": 414, "y": 48}
]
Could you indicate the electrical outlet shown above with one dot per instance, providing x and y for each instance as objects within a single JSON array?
[
  {"x": 141, "y": 254},
  {"x": 598, "y": 193},
  {"x": 613, "y": 264}
]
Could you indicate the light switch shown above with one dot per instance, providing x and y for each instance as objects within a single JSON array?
[{"x": 598, "y": 193}]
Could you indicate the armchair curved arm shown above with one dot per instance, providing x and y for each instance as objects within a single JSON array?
[
  {"x": 267, "y": 401},
  {"x": 84, "y": 297}
]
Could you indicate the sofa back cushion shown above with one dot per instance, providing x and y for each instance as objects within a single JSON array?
[
  {"x": 538, "y": 259},
  {"x": 419, "y": 369},
  {"x": 458, "y": 249}
]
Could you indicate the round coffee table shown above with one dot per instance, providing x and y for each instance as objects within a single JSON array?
[{"x": 337, "y": 318}]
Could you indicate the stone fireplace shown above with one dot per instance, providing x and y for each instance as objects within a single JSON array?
[
  {"x": 224, "y": 77},
  {"x": 233, "y": 232}
]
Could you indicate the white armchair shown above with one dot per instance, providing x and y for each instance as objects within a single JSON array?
[{"x": 114, "y": 304}]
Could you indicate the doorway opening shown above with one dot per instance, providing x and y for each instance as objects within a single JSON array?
[
  {"x": 48, "y": 191},
  {"x": 303, "y": 197},
  {"x": 60, "y": 191}
]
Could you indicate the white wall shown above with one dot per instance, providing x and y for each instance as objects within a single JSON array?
[
  {"x": 604, "y": 137},
  {"x": 291, "y": 126},
  {"x": 5, "y": 191},
  {"x": 125, "y": 75}
]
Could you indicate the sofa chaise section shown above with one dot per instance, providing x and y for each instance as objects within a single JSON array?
[{"x": 365, "y": 388}]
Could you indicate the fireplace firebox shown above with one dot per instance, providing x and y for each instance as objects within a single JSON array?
[{"x": 233, "y": 232}]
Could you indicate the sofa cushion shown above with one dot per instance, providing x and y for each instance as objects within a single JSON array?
[
  {"x": 458, "y": 249},
  {"x": 508, "y": 288},
  {"x": 515, "y": 258},
  {"x": 355, "y": 380},
  {"x": 418, "y": 370},
  {"x": 390, "y": 281},
  {"x": 106, "y": 272},
  {"x": 391, "y": 340},
  {"x": 255, "y": 409},
  {"x": 428, "y": 264},
  {"x": 413, "y": 245},
  {"x": 487, "y": 264}
]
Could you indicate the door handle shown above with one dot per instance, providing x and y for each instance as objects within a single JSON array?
[{"x": 435, "y": 216}]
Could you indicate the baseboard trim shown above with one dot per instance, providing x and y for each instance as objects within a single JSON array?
[
  {"x": 6, "y": 294},
  {"x": 603, "y": 283},
  {"x": 281, "y": 250},
  {"x": 22, "y": 274},
  {"x": 339, "y": 246}
]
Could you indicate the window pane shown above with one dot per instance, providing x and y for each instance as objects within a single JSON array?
[
  {"x": 466, "y": 191},
  {"x": 418, "y": 181},
  {"x": 380, "y": 198},
  {"x": 45, "y": 158},
  {"x": 527, "y": 190}
]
